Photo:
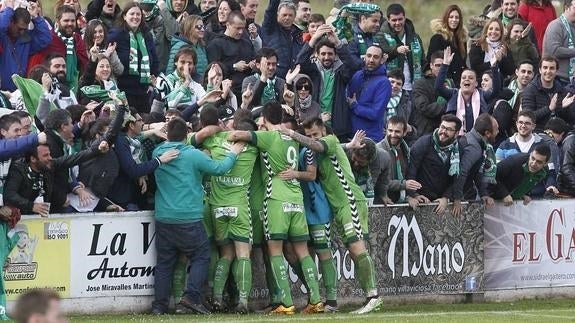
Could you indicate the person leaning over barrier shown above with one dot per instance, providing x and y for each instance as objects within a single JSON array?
[{"x": 518, "y": 174}]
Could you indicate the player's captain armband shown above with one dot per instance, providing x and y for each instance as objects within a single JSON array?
[
  {"x": 231, "y": 212},
  {"x": 291, "y": 207}
]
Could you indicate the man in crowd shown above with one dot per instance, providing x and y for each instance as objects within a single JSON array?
[
  {"x": 15, "y": 37},
  {"x": 400, "y": 102},
  {"x": 302, "y": 15},
  {"x": 68, "y": 43},
  {"x": 280, "y": 33},
  {"x": 234, "y": 52},
  {"x": 368, "y": 95},
  {"x": 403, "y": 45},
  {"x": 477, "y": 166},
  {"x": 558, "y": 42},
  {"x": 428, "y": 105},
  {"x": 56, "y": 88},
  {"x": 330, "y": 73},
  {"x": 524, "y": 141},
  {"x": 542, "y": 95},
  {"x": 364, "y": 35},
  {"x": 347, "y": 202},
  {"x": 518, "y": 174},
  {"x": 395, "y": 145},
  {"x": 179, "y": 213},
  {"x": 266, "y": 85},
  {"x": 107, "y": 11},
  {"x": 434, "y": 163}
]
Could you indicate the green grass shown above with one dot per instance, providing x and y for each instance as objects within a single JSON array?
[{"x": 522, "y": 311}]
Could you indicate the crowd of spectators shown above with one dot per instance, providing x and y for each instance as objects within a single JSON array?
[{"x": 484, "y": 113}]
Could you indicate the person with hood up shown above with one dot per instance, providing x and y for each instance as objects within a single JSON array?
[
  {"x": 305, "y": 108},
  {"x": 368, "y": 94}
]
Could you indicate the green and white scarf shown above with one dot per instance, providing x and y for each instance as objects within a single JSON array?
[
  {"x": 416, "y": 53},
  {"x": 528, "y": 182},
  {"x": 392, "y": 105},
  {"x": 102, "y": 94},
  {"x": 72, "y": 71},
  {"x": 398, "y": 173},
  {"x": 141, "y": 68},
  {"x": 343, "y": 25},
  {"x": 448, "y": 153},
  {"x": 570, "y": 43},
  {"x": 135, "y": 149},
  {"x": 269, "y": 93},
  {"x": 513, "y": 87},
  {"x": 489, "y": 166}
]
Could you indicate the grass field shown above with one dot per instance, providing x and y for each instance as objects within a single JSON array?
[{"x": 523, "y": 311}]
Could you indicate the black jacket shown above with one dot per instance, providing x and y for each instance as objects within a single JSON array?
[
  {"x": 536, "y": 98},
  {"x": 427, "y": 111},
  {"x": 566, "y": 179},
  {"x": 426, "y": 167},
  {"x": 509, "y": 175},
  {"x": 476, "y": 60},
  {"x": 470, "y": 179},
  {"x": 61, "y": 174},
  {"x": 19, "y": 192}
]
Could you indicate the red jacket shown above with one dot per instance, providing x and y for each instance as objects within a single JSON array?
[
  {"x": 57, "y": 46},
  {"x": 539, "y": 17}
]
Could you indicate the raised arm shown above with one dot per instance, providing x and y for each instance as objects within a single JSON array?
[{"x": 311, "y": 143}]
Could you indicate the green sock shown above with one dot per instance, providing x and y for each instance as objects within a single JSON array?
[
  {"x": 179, "y": 278},
  {"x": 279, "y": 270},
  {"x": 214, "y": 256},
  {"x": 366, "y": 274},
  {"x": 310, "y": 274},
  {"x": 243, "y": 277},
  {"x": 298, "y": 271},
  {"x": 329, "y": 275},
  {"x": 273, "y": 288},
  {"x": 220, "y": 278}
]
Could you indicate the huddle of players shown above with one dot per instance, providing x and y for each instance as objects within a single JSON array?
[{"x": 270, "y": 173}]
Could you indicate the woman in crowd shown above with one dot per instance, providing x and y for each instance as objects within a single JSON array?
[
  {"x": 98, "y": 82},
  {"x": 519, "y": 43},
  {"x": 192, "y": 32},
  {"x": 539, "y": 13},
  {"x": 487, "y": 81},
  {"x": 224, "y": 9},
  {"x": 135, "y": 48},
  {"x": 304, "y": 106},
  {"x": 96, "y": 41},
  {"x": 449, "y": 31},
  {"x": 488, "y": 45}
]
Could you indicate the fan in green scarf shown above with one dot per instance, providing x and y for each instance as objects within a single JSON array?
[
  {"x": 447, "y": 153},
  {"x": 150, "y": 9},
  {"x": 342, "y": 23},
  {"x": 138, "y": 66},
  {"x": 72, "y": 71},
  {"x": 100, "y": 93},
  {"x": 489, "y": 166}
]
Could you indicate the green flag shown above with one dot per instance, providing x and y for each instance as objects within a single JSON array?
[{"x": 31, "y": 92}]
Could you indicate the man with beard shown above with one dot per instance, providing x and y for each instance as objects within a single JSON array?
[
  {"x": 266, "y": 86},
  {"x": 67, "y": 43},
  {"x": 18, "y": 42},
  {"x": 56, "y": 88},
  {"x": 403, "y": 45},
  {"x": 330, "y": 65},
  {"x": 477, "y": 167},
  {"x": 280, "y": 33},
  {"x": 364, "y": 34},
  {"x": 107, "y": 11},
  {"x": 368, "y": 94},
  {"x": 398, "y": 149},
  {"x": 31, "y": 183},
  {"x": 434, "y": 163}
]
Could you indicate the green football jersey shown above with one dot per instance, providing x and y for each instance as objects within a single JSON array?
[
  {"x": 257, "y": 190},
  {"x": 232, "y": 187},
  {"x": 335, "y": 174},
  {"x": 278, "y": 152}
]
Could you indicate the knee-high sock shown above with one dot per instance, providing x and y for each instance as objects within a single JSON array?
[
  {"x": 220, "y": 278},
  {"x": 366, "y": 274},
  {"x": 310, "y": 277},
  {"x": 329, "y": 275},
  {"x": 242, "y": 270},
  {"x": 279, "y": 270}
]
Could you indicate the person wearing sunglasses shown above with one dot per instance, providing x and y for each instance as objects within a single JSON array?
[
  {"x": 305, "y": 107},
  {"x": 191, "y": 33}
]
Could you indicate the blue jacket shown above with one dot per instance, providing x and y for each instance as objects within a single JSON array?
[
  {"x": 180, "y": 194},
  {"x": 177, "y": 43},
  {"x": 10, "y": 148},
  {"x": 126, "y": 82},
  {"x": 14, "y": 55},
  {"x": 125, "y": 189},
  {"x": 372, "y": 90},
  {"x": 286, "y": 42}
]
